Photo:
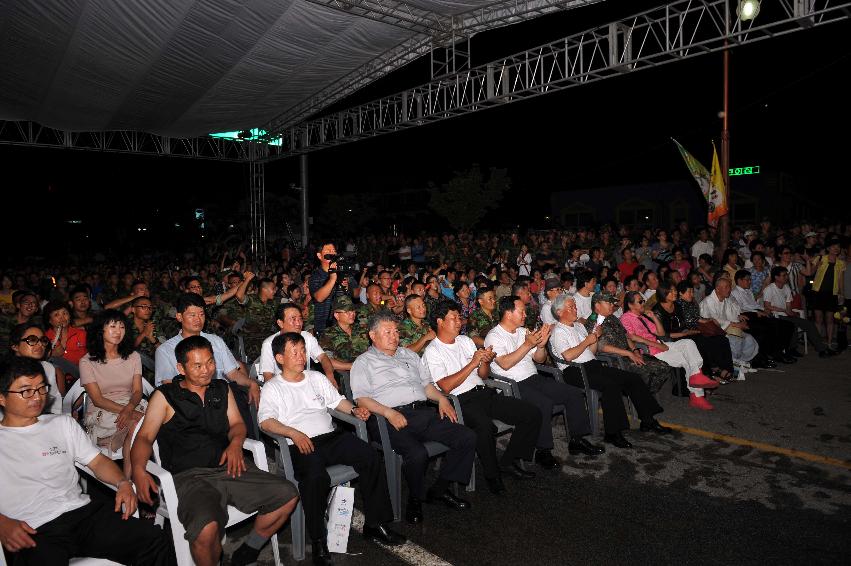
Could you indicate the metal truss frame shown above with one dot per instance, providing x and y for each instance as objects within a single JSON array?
[
  {"x": 32, "y": 134},
  {"x": 257, "y": 199},
  {"x": 674, "y": 32},
  {"x": 431, "y": 39}
]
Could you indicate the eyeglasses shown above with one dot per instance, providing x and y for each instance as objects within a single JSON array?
[
  {"x": 27, "y": 393},
  {"x": 32, "y": 340}
]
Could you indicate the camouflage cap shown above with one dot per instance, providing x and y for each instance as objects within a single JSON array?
[
  {"x": 604, "y": 296},
  {"x": 343, "y": 303}
]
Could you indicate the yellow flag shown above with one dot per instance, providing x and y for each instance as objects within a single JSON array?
[{"x": 717, "y": 198}]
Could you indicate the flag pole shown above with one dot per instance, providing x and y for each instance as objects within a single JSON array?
[{"x": 724, "y": 224}]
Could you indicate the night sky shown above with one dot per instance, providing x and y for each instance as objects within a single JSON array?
[{"x": 789, "y": 113}]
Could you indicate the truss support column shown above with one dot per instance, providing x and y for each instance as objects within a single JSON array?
[
  {"x": 257, "y": 203},
  {"x": 304, "y": 200}
]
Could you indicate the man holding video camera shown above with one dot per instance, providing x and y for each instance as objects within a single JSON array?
[{"x": 325, "y": 284}]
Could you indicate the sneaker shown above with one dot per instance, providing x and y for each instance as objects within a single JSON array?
[{"x": 700, "y": 403}]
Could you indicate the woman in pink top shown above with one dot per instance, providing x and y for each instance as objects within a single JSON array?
[
  {"x": 681, "y": 264},
  {"x": 112, "y": 376},
  {"x": 646, "y": 329}
]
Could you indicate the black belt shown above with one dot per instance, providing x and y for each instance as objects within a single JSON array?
[
  {"x": 412, "y": 406},
  {"x": 476, "y": 388}
]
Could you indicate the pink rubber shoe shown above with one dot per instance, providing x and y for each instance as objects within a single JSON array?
[
  {"x": 702, "y": 381},
  {"x": 699, "y": 403}
]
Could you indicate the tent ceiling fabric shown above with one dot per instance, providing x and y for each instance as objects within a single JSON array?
[{"x": 181, "y": 67}]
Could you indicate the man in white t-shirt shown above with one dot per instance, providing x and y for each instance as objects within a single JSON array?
[
  {"x": 570, "y": 342},
  {"x": 45, "y": 519},
  {"x": 458, "y": 368},
  {"x": 517, "y": 351},
  {"x": 289, "y": 319},
  {"x": 294, "y": 407},
  {"x": 777, "y": 299},
  {"x": 585, "y": 282},
  {"x": 702, "y": 246}
]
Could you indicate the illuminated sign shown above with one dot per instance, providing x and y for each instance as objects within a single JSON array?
[{"x": 751, "y": 170}]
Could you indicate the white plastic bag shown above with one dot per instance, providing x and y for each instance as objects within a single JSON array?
[{"x": 339, "y": 518}]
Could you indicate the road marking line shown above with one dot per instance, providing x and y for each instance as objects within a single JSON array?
[
  {"x": 409, "y": 552},
  {"x": 815, "y": 458}
]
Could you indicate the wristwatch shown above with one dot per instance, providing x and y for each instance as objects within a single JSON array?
[{"x": 352, "y": 410}]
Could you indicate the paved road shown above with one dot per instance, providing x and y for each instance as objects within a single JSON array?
[{"x": 683, "y": 499}]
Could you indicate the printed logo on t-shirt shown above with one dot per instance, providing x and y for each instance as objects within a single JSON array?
[{"x": 54, "y": 451}]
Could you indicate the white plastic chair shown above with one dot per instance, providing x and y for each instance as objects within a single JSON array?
[
  {"x": 168, "y": 500},
  {"x": 802, "y": 334},
  {"x": 73, "y": 561},
  {"x": 77, "y": 391}
]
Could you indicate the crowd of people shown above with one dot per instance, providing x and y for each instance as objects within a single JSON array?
[{"x": 383, "y": 329}]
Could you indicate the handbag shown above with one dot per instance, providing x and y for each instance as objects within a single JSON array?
[{"x": 710, "y": 328}]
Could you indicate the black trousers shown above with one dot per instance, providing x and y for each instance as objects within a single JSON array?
[
  {"x": 425, "y": 424},
  {"x": 772, "y": 334},
  {"x": 314, "y": 484},
  {"x": 715, "y": 351},
  {"x": 544, "y": 392},
  {"x": 614, "y": 383},
  {"x": 96, "y": 531},
  {"x": 483, "y": 404}
]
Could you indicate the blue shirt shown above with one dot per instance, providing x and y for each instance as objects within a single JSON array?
[{"x": 166, "y": 362}]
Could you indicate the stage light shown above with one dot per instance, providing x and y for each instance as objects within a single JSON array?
[{"x": 748, "y": 10}]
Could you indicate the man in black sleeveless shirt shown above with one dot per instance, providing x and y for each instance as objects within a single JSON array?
[{"x": 200, "y": 433}]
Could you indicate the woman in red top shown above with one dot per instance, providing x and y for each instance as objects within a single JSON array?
[
  {"x": 627, "y": 267},
  {"x": 67, "y": 342}
]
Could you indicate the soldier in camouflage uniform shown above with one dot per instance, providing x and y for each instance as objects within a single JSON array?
[
  {"x": 343, "y": 342},
  {"x": 414, "y": 331},
  {"x": 26, "y": 310},
  {"x": 483, "y": 318},
  {"x": 372, "y": 306},
  {"x": 259, "y": 313}
]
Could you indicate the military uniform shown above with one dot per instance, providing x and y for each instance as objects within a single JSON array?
[
  {"x": 342, "y": 346},
  {"x": 410, "y": 332},
  {"x": 479, "y": 323},
  {"x": 365, "y": 312},
  {"x": 259, "y": 323},
  {"x": 533, "y": 312}
]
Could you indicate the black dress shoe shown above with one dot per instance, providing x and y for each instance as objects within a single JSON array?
[
  {"x": 582, "y": 446},
  {"x": 414, "y": 511},
  {"x": 383, "y": 535},
  {"x": 546, "y": 460},
  {"x": 828, "y": 353},
  {"x": 496, "y": 486},
  {"x": 794, "y": 353},
  {"x": 786, "y": 359},
  {"x": 320, "y": 555},
  {"x": 514, "y": 470},
  {"x": 448, "y": 498},
  {"x": 617, "y": 440},
  {"x": 764, "y": 364},
  {"x": 653, "y": 425}
]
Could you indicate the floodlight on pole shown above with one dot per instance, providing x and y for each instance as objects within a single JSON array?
[{"x": 748, "y": 9}]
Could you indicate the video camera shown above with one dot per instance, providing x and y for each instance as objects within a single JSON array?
[{"x": 345, "y": 264}]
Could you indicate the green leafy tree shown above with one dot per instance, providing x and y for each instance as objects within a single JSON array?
[{"x": 468, "y": 196}]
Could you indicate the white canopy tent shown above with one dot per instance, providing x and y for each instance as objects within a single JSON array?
[{"x": 185, "y": 68}]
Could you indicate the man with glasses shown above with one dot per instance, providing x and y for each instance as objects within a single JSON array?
[
  {"x": 45, "y": 519},
  {"x": 344, "y": 342},
  {"x": 552, "y": 289},
  {"x": 145, "y": 331}
]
